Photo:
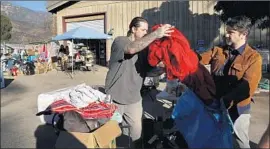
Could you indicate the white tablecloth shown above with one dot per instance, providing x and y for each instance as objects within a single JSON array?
[{"x": 46, "y": 99}]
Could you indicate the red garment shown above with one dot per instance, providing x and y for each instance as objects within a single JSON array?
[
  {"x": 182, "y": 63},
  {"x": 176, "y": 46},
  {"x": 92, "y": 111},
  {"x": 45, "y": 51},
  {"x": 14, "y": 71},
  {"x": 78, "y": 55}
]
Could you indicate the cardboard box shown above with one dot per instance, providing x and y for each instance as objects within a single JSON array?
[
  {"x": 41, "y": 67},
  {"x": 39, "y": 70},
  {"x": 30, "y": 52},
  {"x": 37, "y": 64},
  {"x": 103, "y": 137},
  {"x": 54, "y": 65}
]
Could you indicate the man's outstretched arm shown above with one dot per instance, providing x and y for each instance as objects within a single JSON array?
[{"x": 140, "y": 44}]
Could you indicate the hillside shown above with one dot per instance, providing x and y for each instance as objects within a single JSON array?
[{"x": 28, "y": 25}]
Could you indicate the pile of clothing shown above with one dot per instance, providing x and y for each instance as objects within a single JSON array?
[
  {"x": 182, "y": 63},
  {"x": 88, "y": 102},
  {"x": 95, "y": 110},
  {"x": 82, "y": 95},
  {"x": 80, "y": 109}
]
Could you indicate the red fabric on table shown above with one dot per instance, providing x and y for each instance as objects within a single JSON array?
[{"x": 95, "y": 110}]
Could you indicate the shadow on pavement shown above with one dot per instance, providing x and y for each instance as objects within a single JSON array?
[
  {"x": 45, "y": 137},
  {"x": 8, "y": 82},
  {"x": 12, "y": 92}
]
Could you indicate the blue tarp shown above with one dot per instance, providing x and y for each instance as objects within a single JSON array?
[
  {"x": 82, "y": 33},
  {"x": 202, "y": 126}
]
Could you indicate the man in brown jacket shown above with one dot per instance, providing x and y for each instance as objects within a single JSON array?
[{"x": 236, "y": 69}]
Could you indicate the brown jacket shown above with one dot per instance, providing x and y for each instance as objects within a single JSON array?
[{"x": 246, "y": 66}]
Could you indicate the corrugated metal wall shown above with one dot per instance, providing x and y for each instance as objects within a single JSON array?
[{"x": 196, "y": 19}]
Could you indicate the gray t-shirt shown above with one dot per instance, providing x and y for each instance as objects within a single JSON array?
[{"x": 123, "y": 81}]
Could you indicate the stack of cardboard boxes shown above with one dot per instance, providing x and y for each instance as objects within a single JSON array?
[
  {"x": 41, "y": 67},
  {"x": 31, "y": 52}
]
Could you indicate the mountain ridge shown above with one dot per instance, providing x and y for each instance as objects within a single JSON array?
[{"x": 27, "y": 25}]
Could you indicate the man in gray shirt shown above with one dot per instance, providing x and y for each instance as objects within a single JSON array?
[{"x": 124, "y": 79}]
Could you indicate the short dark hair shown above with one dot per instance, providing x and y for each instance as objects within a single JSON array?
[
  {"x": 240, "y": 24},
  {"x": 135, "y": 22}
]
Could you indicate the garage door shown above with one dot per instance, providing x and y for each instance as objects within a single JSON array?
[{"x": 93, "y": 24}]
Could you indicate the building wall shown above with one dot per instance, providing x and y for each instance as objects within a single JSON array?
[
  {"x": 196, "y": 19},
  {"x": 54, "y": 25}
]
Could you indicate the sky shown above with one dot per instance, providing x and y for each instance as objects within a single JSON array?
[{"x": 33, "y": 5}]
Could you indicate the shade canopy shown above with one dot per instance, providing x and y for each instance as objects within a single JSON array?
[{"x": 82, "y": 33}]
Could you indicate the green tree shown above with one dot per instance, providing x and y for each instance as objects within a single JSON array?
[
  {"x": 257, "y": 11},
  {"x": 6, "y": 28}
]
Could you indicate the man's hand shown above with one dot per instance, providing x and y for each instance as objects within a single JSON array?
[
  {"x": 140, "y": 44},
  {"x": 161, "y": 64},
  {"x": 164, "y": 31}
]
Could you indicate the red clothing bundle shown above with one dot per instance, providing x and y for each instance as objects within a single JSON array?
[
  {"x": 182, "y": 63},
  {"x": 176, "y": 47},
  {"x": 92, "y": 111}
]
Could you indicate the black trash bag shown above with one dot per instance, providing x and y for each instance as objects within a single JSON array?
[{"x": 28, "y": 68}]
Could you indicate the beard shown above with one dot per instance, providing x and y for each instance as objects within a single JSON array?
[{"x": 228, "y": 41}]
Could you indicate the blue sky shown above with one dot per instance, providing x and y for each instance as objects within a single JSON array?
[{"x": 33, "y": 5}]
